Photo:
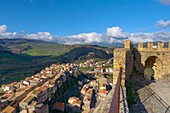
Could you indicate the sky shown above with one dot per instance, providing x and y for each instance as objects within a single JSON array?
[{"x": 86, "y": 21}]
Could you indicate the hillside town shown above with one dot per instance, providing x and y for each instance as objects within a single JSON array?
[{"x": 59, "y": 88}]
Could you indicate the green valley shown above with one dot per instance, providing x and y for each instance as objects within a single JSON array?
[{"x": 20, "y": 58}]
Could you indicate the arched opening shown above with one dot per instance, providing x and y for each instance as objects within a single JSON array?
[
  {"x": 149, "y": 73},
  {"x": 153, "y": 68}
]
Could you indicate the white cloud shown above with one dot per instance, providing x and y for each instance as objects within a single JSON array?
[
  {"x": 3, "y": 28},
  {"x": 165, "y": 2},
  {"x": 87, "y": 38},
  {"x": 46, "y": 36},
  {"x": 150, "y": 37},
  {"x": 116, "y": 32},
  {"x": 80, "y": 38},
  {"x": 163, "y": 24},
  {"x": 141, "y": 37},
  {"x": 113, "y": 35}
]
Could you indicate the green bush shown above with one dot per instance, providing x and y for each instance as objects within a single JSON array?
[{"x": 131, "y": 94}]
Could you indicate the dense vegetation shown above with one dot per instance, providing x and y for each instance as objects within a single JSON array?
[{"x": 20, "y": 58}]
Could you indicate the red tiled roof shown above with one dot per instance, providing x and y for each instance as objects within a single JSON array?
[
  {"x": 103, "y": 91},
  {"x": 43, "y": 88},
  {"x": 59, "y": 106}
]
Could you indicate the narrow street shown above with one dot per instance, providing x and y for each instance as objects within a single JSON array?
[{"x": 73, "y": 89}]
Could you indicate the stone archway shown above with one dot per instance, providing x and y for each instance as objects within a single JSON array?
[{"x": 153, "y": 66}]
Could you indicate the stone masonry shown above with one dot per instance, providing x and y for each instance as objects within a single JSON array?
[
  {"x": 128, "y": 59},
  {"x": 155, "y": 56}
]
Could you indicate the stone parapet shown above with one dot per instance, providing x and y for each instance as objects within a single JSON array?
[
  {"x": 123, "y": 101},
  {"x": 159, "y": 46},
  {"x": 104, "y": 106},
  {"x": 130, "y": 58},
  {"x": 128, "y": 44}
]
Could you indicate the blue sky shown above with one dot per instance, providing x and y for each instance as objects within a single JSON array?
[{"x": 72, "y": 17}]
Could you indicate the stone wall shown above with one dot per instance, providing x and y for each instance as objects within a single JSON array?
[
  {"x": 105, "y": 105},
  {"x": 130, "y": 58},
  {"x": 119, "y": 61},
  {"x": 161, "y": 54},
  {"x": 123, "y": 57}
]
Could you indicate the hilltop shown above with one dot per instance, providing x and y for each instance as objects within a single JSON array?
[{"x": 20, "y": 58}]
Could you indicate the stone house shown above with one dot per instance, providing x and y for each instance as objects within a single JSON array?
[
  {"x": 74, "y": 103},
  {"x": 26, "y": 82},
  {"x": 59, "y": 106},
  {"x": 3, "y": 103},
  {"x": 7, "y": 87},
  {"x": 86, "y": 103},
  {"x": 26, "y": 102},
  {"x": 37, "y": 94},
  {"x": 41, "y": 108},
  {"x": 109, "y": 70},
  {"x": 44, "y": 93},
  {"x": 99, "y": 69}
]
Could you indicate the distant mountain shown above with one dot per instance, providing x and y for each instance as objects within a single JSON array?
[
  {"x": 34, "y": 47},
  {"x": 20, "y": 58},
  {"x": 41, "y": 48},
  {"x": 78, "y": 52},
  {"x": 108, "y": 44}
]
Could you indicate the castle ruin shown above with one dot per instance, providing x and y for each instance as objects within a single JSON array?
[{"x": 140, "y": 58}]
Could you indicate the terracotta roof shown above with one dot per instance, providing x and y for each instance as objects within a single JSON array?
[
  {"x": 36, "y": 92},
  {"x": 86, "y": 111},
  {"x": 89, "y": 91},
  {"x": 1, "y": 90},
  {"x": 28, "y": 87},
  {"x": 78, "y": 102},
  {"x": 99, "y": 68},
  {"x": 8, "y": 109},
  {"x": 9, "y": 95},
  {"x": 14, "y": 83},
  {"x": 103, "y": 91},
  {"x": 85, "y": 98},
  {"x": 59, "y": 106},
  {"x": 19, "y": 93},
  {"x": 73, "y": 100},
  {"x": 28, "y": 99},
  {"x": 39, "y": 105},
  {"x": 8, "y": 85},
  {"x": 43, "y": 88}
]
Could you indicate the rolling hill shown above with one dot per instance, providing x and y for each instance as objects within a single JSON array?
[{"x": 20, "y": 58}]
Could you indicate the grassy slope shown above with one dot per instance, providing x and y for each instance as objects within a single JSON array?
[
  {"x": 13, "y": 66},
  {"x": 47, "y": 50},
  {"x": 20, "y": 58},
  {"x": 34, "y": 47},
  {"x": 79, "y": 52}
]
